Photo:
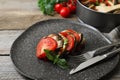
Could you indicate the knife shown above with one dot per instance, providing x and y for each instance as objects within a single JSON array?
[
  {"x": 94, "y": 60},
  {"x": 114, "y": 35}
]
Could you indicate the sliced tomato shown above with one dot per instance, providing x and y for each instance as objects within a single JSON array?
[
  {"x": 77, "y": 36},
  {"x": 70, "y": 43},
  {"x": 45, "y": 43}
]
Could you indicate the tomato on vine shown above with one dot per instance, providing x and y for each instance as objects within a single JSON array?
[
  {"x": 72, "y": 8},
  {"x": 58, "y": 7},
  {"x": 65, "y": 12}
]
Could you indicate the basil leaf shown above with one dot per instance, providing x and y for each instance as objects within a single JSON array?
[
  {"x": 53, "y": 2},
  {"x": 49, "y": 55},
  {"x": 62, "y": 63},
  {"x": 56, "y": 59},
  {"x": 49, "y": 8}
]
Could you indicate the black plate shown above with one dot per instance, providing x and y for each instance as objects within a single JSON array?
[{"x": 24, "y": 49}]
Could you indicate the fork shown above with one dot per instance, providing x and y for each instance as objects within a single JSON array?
[{"x": 99, "y": 51}]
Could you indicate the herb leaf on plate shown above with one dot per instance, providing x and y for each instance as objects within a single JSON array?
[{"x": 62, "y": 63}]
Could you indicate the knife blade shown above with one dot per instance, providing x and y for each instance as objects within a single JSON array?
[
  {"x": 87, "y": 64},
  {"x": 93, "y": 61}
]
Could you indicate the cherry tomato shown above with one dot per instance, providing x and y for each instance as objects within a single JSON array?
[
  {"x": 72, "y": 1},
  {"x": 71, "y": 41},
  {"x": 45, "y": 43},
  {"x": 72, "y": 8},
  {"x": 65, "y": 12},
  {"x": 64, "y": 4},
  {"x": 58, "y": 7}
]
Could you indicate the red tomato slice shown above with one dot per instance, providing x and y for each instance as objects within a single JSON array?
[
  {"x": 71, "y": 41},
  {"x": 45, "y": 43},
  {"x": 77, "y": 36}
]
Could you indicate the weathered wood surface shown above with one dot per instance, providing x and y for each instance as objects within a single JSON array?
[
  {"x": 7, "y": 37},
  {"x": 7, "y": 69},
  {"x": 20, "y": 14}
]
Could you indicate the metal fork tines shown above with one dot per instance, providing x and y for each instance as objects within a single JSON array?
[{"x": 99, "y": 51}]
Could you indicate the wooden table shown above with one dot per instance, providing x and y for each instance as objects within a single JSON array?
[
  {"x": 7, "y": 70},
  {"x": 15, "y": 17}
]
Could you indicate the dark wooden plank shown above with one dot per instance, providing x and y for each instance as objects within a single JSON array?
[{"x": 8, "y": 72}]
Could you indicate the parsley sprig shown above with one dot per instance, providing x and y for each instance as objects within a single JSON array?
[
  {"x": 56, "y": 59},
  {"x": 47, "y": 6}
]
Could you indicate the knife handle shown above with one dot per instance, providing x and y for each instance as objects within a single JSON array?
[
  {"x": 118, "y": 30},
  {"x": 114, "y": 35},
  {"x": 106, "y": 49},
  {"x": 112, "y": 53}
]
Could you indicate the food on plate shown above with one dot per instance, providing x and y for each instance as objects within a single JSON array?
[
  {"x": 106, "y": 6},
  {"x": 54, "y": 47}
]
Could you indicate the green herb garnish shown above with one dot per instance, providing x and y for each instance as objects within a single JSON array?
[
  {"x": 65, "y": 41},
  {"x": 47, "y": 6},
  {"x": 56, "y": 59}
]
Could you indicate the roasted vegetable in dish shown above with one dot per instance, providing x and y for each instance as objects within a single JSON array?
[
  {"x": 106, "y": 6},
  {"x": 54, "y": 47}
]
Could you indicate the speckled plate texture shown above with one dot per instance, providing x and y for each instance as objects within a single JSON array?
[{"x": 24, "y": 49}]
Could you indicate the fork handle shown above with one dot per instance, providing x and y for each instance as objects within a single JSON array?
[{"x": 106, "y": 49}]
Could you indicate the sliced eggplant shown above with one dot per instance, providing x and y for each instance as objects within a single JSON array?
[
  {"x": 65, "y": 41},
  {"x": 71, "y": 40},
  {"x": 75, "y": 41},
  {"x": 81, "y": 45},
  {"x": 81, "y": 37},
  {"x": 68, "y": 41},
  {"x": 77, "y": 37}
]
